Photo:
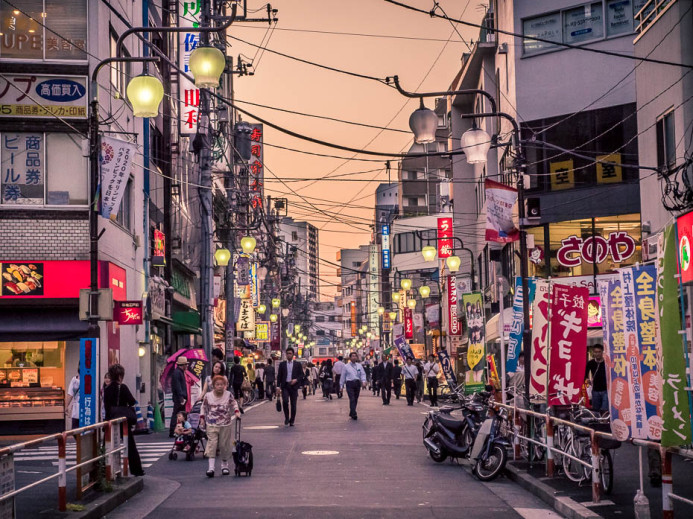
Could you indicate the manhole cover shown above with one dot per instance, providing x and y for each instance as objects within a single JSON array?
[
  {"x": 259, "y": 427},
  {"x": 320, "y": 453}
]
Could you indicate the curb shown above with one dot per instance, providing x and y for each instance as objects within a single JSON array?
[
  {"x": 123, "y": 490},
  {"x": 563, "y": 505}
]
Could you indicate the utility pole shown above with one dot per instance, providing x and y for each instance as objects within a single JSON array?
[
  {"x": 230, "y": 284},
  {"x": 204, "y": 133}
]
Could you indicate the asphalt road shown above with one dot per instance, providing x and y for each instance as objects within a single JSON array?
[{"x": 377, "y": 467}]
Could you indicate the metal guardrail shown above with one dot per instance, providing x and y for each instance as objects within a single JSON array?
[
  {"x": 649, "y": 13},
  {"x": 666, "y": 454},
  {"x": 114, "y": 444}
]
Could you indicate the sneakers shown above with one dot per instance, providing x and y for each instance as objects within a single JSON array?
[
  {"x": 225, "y": 471},
  {"x": 210, "y": 473}
]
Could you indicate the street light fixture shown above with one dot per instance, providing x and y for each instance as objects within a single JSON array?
[
  {"x": 425, "y": 291},
  {"x": 405, "y": 283},
  {"x": 381, "y": 310},
  {"x": 206, "y": 65},
  {"x": 261, "y": 309},
  {"x": 396, "y": 296},
  {"x": 222, "y": 257},
  {"x": 429, "y": 253},
  {"x": 297, "y": 328},
  {"x": 248, "y": 244},
  {"x": 273, "y": 317},
  {"x": 423, "y": 123},
  {"x": 145, "y": 93},
  {"x": 411, "y": 303},
  {"x": 392, "y": 315},
  {"x": 276, "y": 302},
  {"x": 475, "y": 143},
  {"x": 453, "y": 263}
]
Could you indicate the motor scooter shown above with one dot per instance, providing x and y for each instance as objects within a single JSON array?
[{"x": 489, "y": 452}]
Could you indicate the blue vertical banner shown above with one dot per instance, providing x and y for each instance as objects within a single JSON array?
[
  {"x": 515, "y": 337},
  {"x": 447, "y": 367},
  {"x": 385, "y": 245},
  {"x": 87, "y": 384}
]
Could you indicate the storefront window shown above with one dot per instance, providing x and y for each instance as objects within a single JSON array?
[{"x": 32, "y": 364}]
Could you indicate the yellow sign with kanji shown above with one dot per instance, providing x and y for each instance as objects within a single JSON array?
[
  {"x": 562, "y": 175},
  {"x": 609, "y": 169}
]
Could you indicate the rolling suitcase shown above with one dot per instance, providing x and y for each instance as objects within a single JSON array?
[{"x": 242, "y": 455}]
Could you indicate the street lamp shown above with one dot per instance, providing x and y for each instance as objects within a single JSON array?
[
  {"x": 423, "y": 123},
  {"x": 405, "y": 283},
  {"x": 222, "y": 257},
  {"x": 145, "y": 93},
  {"x": 424, "y": 291},
  {"x": 475, "y": 143},
  {"x": 273, "y": 318},
  {"x": 248, "y": 244},
  {"x": 411, "y": 303},
  {"x": 261, "y": 309},
  {"x": 396, "y": 296},
  {"x": 429, "y": 253},
  {"x": 381, "y": 310},
  {"x": 206, "y": 65},
  {"x": 392, "y": 315},
  {"x": 276, "y": 302},
  {"x": 453, "y": 263}
]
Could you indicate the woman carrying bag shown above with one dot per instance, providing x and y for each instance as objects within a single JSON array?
[{"x": 119, "y": 402}]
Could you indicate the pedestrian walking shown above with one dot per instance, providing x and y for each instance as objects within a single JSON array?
[
  {"x": 270, "y": 378},
  {"x": 397, "y": 378},
  {"x": 218, "y": 406},
  {"x": 326, "y": 377},
  {"x": 73, "y": 400},
  {"x": 289, "y": 379},
  {"x": 386, "y": 369},
  {"x": 259, "y": 380},
  {"x": 431, "y": 370},
  {"x": 237, "y": 375},
  {"x": 250, "y": 371},
  {"x": 419, "y": 382},
  {"x": 218, "y": 368},
  {"x": 337, "y": 370},
  {"x": 375, "y": 385},
  {"x": 315, "y": 377},
  {"x": 306, "y": 381},
  {"x": 179, "y": 391},
  {"x": 595, "y": 378},
  {"x": 353, "y": 377},
  {"x": 118, "y": 395},
  {"x": 410, "y": 373}
]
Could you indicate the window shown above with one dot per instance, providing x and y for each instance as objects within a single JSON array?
[
  {"x": 124, "y": 216},
  {"x": 43, "y": 169},
  {"x": 442, "y": 146},
  {"x": 294, "y": 236},
  {"x": 666, "y": 143},
  {"x": 331, "y": 319},
  {"x": 583, "y": 23},
  {"x": 319, "y": 318},
  {"x": 23, "y": 37},
  {"x": 546, "y": 27}
]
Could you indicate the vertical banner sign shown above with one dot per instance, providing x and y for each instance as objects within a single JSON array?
[
  {"x": 403, "y": 347},
  {"x": 246, "y": 316},
  {"x": 87, "y": 381},
  {"x": 189, "y": 95},
  {"x": 476, "y": 329},
  {"x": 562, "y": 175},
  {"x": 608, "y": 172},
  {"x": 447, "y": 367},
  {"x": 445, "y": 237},
  {"x": 275, "y": 335},
  {"x": 433, "y": 315},
  {"x": 353, "y": 319},
  {"x": 454, "y": 326},
  {"x": 518, "y": 324},
  {"x": 568, "y": 354},
  {"x": 675, "y": 405},
  {"x": 254, "y": 285},
  {"x": 408, "y": 324},
  {"x": 373, "y": 292},
  {"x": 540, "y": 340},
  {"x": 386, "y": 246},
  {"x": 256, "y": 168},
  {"x": 630, "y": 332},
  {"x": 242, "y": 271},
  {"x": 500, "y": 200},
  {"x": 115, "y": 159},
  {"x": 650, "y": 353}
]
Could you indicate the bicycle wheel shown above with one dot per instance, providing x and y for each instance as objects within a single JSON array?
[
  {"x": 573, "y": 469},
  {"x": 606, "y": 470}
]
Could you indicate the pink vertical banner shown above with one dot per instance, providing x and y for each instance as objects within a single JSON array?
[
  {"x": 540, "y": 340},
  {"x": 568, "y": 350},
  {"x": 408, "y": 324}
]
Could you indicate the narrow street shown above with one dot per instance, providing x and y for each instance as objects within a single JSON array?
[{"x": 378, "y": 468}]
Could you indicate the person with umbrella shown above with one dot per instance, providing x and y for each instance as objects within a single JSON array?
[{"x": 179, "y": 390}]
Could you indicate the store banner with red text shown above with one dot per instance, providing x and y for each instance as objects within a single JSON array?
[
  {"x": 408, "y": 324},
  {"x": 500, "y": 200},
  {"x": 445, "y": 237},
  {"x": 540, "y": 340},
  {"x": 454, "y": 325},
  {"x": 568, "y": 352}
]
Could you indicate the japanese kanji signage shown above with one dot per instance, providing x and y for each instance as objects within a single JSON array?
[
  {"x": 373, "y": 291},
  {"x": 675, "y": 406},
  {"x": 540, "y": 340},
  {"x": 159, "y": 243},
  {"x": 386, "y": 246},
  {"x": 609, "y": 169},
  {"x": 568, "y": 355},
  {"x": 256, "y": 168},
  {"x": 188, "y": 17},
  {"x": 575, "y": 250},
  {"x": 254, "y": 285},
  {"x": 275, "y": 335},
  {"x": 88, "y": 362},
  {"x": 408, "y": 324},
  {"x": 448, "y": 370},
  {"x": 23, "y": 172},
  {"x": 262, "y": 331},
  {"x": 127, "y": 312},
  {"x": 476, "y": 330},
  {"x": 28, "y": 95},
  {"x": 517, "y": 327},
  {"x": 115, "y": 160},
  {"x": 246, "y": 316},
  {"x": 445, "y": 237},
  {"x": 454, "y": 326},
  {"x": 500, "y": 200},
  {"x": 684, "y": 226},
  {"x": 562, "y": 175}
]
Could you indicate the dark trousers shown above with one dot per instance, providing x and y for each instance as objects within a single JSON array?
[
  {"x": 386, "y": 390},
  {"x": 134, "y": 460},
  {"x": 337, "y": 388},
  {"x": 177, "y": 408},
  {"x": 410, "y": 387},
  {"x": 290, "y": 396},
  {"x": 353, "y": 388},
  {"x": 260, "y": 389},
  {"x": 270, "y": 389},
  {"x": 397, "y": 383},
  {"x": 432, "y": 383}
]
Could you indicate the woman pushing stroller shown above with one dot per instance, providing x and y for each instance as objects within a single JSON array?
[{"x": 218, "y": 408}]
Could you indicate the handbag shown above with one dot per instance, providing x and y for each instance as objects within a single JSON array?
[
  {"x": 245, "y": 386},
  {"x": 124, "y": 411},
  {"x": 278, "y": 405}
]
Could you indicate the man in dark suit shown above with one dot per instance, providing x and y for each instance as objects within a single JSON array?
[
  {"x": 179, "y": 391},
  {"x": 376, "y": 378},
  {"x": 386, "y": 379},
  {"x": 289, "y": 380},
  {"x": 397, "y": 378}
]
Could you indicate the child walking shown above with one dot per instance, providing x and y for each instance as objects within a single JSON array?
[{"x": 218, "y": 406}]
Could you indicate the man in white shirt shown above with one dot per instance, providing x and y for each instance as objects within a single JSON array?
[
  {"x": 431, "y": 370},
  {"x": 73, "y": 399},
  {"x": 337, "y": 371},
  {"x": 354, "y": 378},
  {"x": 410, "y": 372}
]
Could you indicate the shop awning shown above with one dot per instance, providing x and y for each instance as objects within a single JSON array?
[
  {"x": 493, "y": 325},
  {"x": 187, "y": 322},
  {"x": 41, "y": 324}
]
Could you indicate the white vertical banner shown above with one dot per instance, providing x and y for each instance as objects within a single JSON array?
[
  {"x": 115, "y": 160},
  {"x": 373, "y": 292},
  {"x": 540, "y": 340},
  {"x": 189, "y": 95}
]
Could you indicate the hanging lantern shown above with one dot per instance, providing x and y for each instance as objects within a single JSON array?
[
  {"x": 453, "y": 263},
  {"x": 423, "y": 123},
  {"x": 248, "y": 244},
  {"x": 381, "y": 310},
  {"x": 405, "y": 284},
  {"x": 411, "y": 303},
  {"x": 392, "y": 315},
  {"x": 273, "y": 318},
  {"x": 476, "y": 143},
  {"x": 261, "y": 309},
  {"x": 222, "y": 257},
  {"x": 429, "y": 253},
  {"x": 206, "y": 65},
  {"x": 145, "y": 93},
  {"x": 396, "y": 296},
  {"x": 276, "y": 302},
  {"x": 424, "y": 291}
]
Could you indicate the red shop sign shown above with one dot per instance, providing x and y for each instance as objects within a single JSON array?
[
  {"x": 454, "y": 327},
  {"x": 684, "y": 226},
  {"x": 445, "y": 237},
  {"x": 568, "y": 345},
  {"x": 127, "y": 312},
  {"x": 408, "y": 324}
]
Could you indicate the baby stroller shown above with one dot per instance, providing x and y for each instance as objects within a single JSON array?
[{"x": 190, "y": 443}]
